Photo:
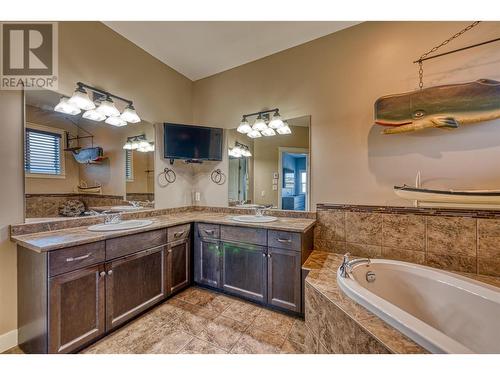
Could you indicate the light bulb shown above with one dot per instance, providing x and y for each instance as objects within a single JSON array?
[
  {"x": 244, "y": 126},
  {"x": 259, "y": 124},
  {"x": 134, "y": 145},
  {"x": 81, "y": 99},
  {"x": 254, "y": 134},
  {"x": 268, "y": 132},
  {"x": 115, "y": 121},
  {"x": 127, "y": 146},
  {"x": 93, "y": 115},
  {"x": 130, "y": 115},
  {"x": 246, "y": 153},
  {"x": 65, "y": 107},
  {"x": 276, "y": 121},
  {"x": 107, "y": 108}
]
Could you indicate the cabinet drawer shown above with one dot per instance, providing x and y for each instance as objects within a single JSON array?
[
  {"x": 178, "y": 232},
  {"x": 208, "y": 230},
  {"x": 256, "y": 236},
  {"x": 118, "y": 247},
  {"x": 284, "y": 240},
  {"x": 73, "y": 258}
]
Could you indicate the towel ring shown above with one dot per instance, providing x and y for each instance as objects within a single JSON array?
[
  {"x": 169, "y": 176},
  {"x": 218, "y": 177}
]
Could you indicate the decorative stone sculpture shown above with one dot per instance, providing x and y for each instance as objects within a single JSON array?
[{"x": 72, "y": 207}]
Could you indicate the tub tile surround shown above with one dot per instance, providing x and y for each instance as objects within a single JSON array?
[
  {"x": 335, "y": 324},
  {"x": 454, "y": 240}
]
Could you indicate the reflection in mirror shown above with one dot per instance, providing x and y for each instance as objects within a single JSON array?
[
  {"x": 77, "y": 167},
  {"x": 272, "y": 171}
]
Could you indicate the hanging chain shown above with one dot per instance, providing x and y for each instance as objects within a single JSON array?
[{"x": 434, "y": 49}]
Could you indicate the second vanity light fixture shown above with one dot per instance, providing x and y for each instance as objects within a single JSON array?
[
  {"x": 240, "y": 150},
  {"x": 99, "y": 109},
  {"x": 139, "y": 143},
  {"x": 263, "y": 125}
]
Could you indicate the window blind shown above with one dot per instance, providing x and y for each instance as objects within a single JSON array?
[
  {"x": 42, "y": 152},
  {"x": 129, "y": 171}
]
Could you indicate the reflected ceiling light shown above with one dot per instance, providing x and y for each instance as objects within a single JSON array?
[
  {"x": 115, "y": 121},
  {"x": 276, "y": 121},
  {"x": 285, "y": 129},
  {"x": 127, "y": 146},
  {"x": 239, "y": 150},
  {"x": 130, "y": 115},
  {"x": 107, "y": 108},
  {"x": 268, "y": 132},
  {"x": 81, "y": 99},
  {"x": 254, "y": 134},
  {"x": 93, "y": 115},
  {"x": 147, "y": 148},
  {"x": 65, "y": 107},
  {"x": 259, "y": 124},
  {"x": 244, "y": 127},
  {"x": 235, "y": 152},
  {"x": 139, "y": 143}
]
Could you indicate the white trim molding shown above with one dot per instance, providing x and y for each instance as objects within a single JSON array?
[{"x": 8, "y": 340}]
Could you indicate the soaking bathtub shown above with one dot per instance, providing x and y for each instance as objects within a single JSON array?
[{"x": 441, "y": 311}]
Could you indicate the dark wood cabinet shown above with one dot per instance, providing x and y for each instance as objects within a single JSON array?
[
  {"x": 133, "y": 284},
  {"x": 284, "y": 279},
  {"x": 244, "y": 270},
  {"x": 207, "y": 262},
  {"x": 77, "y": 305},
  {"x": 178, "y": 266}
]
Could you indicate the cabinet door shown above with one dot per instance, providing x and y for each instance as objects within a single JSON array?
[
  {"x": 76, "y": 310},
  {"x": 244, "y": 270},
  {"x": 178, "y": 266},
  {"x": 133, "y": 284},
  {"x": 207, "y": 262},
  {"x": 284, "y": 279}
]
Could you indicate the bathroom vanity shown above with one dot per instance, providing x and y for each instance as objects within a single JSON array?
[{"x": 75, "y": 286}]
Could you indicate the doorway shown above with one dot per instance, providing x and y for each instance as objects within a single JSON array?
[{"x": 293, "y": 179}]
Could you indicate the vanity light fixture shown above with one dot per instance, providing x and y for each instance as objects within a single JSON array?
[
  {"x": 285, "y": 129},
  {"x": 106, "y": 108},
  {"x": 64, "y": 106},
  {"x": 244, "y": 127},
  {"x": 115, "y": 121},
  {"x": 262, "y": 125},
  {"x": 93, "y": 115},
  {"x": 240, "y": 150},
  {"x": 81, "y": 99},
  {"x": 139, "y": 143}
]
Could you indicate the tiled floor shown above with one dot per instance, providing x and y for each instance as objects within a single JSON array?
[{"x": 201, "y": 321}]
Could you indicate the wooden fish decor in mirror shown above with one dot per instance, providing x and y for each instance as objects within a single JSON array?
[{"x": 446, "y": 107}]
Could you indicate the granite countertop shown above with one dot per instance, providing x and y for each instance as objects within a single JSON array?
[{"x": 58, "y": 239}]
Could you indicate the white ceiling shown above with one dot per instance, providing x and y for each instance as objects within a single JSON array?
[{"x": 201, "y": 49}]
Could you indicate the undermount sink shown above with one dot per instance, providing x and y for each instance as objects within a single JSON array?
[
  {"x": 122, "y": 225},
  {"x": 124, "y": 208},
  {"x": 254, "y": 219}
]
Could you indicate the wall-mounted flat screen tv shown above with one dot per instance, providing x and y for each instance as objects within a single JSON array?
[{"x": 191, "y": 142}]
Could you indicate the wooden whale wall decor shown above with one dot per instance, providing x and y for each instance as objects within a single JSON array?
[{"x": 446, "y": 106}]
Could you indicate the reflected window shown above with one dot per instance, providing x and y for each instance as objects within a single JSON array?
[
  {"x": 303, "y": 182},
  {"x": 43, "y": 151},
  {"x": 129, "y": 166}
]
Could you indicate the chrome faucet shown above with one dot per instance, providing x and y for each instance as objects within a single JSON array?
[{"x": 347, "y": 265}]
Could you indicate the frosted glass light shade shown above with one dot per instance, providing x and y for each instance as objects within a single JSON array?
[
  {"x": 268, "y": 132},
  {"x": 284, "y": 130},
  {"x": 276, "y": 122},
  {"x": 81, "y": 99},
  {"x": 130, "y": 115},
  {"x": 107, "y": 108},
  {"x": 244, "y": 127},
  {"x": 93, "y": 115},
  {"x": 65, "y": 107},
  {"x": 254, "y": 134},
  {"x": 259, "y": 125},
  {"x": 115, "y": 121}
]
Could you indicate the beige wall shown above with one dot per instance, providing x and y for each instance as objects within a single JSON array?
[
  {"x": 266, "y": 161},
  {"x": 11, "y": 203},
  {"x": 92, "y": 53},
  {"x": 336, "y": 79},
  {"x": 142, "y": 182}
]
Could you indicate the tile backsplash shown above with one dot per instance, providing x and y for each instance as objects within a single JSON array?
[{"x": 451, "y": 240}]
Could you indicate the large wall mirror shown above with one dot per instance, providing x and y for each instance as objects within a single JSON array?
[
  {"x": 272, "y": 171},
  {"x": 77, "y": 167}
]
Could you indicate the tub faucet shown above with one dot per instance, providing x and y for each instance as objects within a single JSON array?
[{"x": 346, "y": 266}]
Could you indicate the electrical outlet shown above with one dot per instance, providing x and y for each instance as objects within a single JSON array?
[
  {"x": 275, "y": 187},
  {"x": 262, "y": 193}
]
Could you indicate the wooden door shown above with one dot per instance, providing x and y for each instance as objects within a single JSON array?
[
  {"x": 244, "y": 270},
  {"x": 207, "y": 262},
  {"x": 76, "y": 309},
  {"x": 133, "y": 284},
  {"x": 283, "y": 281},
  {"x": 178, "y": 266}
]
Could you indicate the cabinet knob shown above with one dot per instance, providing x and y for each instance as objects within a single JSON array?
[
  {"x": 264, "y": 254},
  {"x": 269, "y": 255},
  {"x": 110, "y": 272},
  {"x": 102, "y": 274}
]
